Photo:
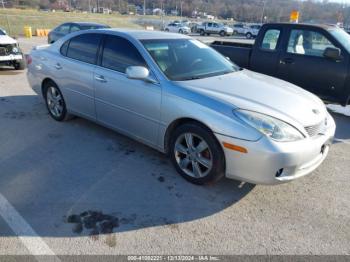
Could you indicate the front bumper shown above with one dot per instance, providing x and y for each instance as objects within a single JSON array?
[
  {"x": 271, "y": 162},
  {"x": 11, "y": 57}
]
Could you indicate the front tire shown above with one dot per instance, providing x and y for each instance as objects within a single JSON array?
[
  {"x": 20, "y": 65},
  {"x": 196, "y": 154},
  {"x": 222, "y": 33},
  {"x": 201, "y": 32},
  {"x": 249, "y": 35},
  {"x": 55, "y": 102}
]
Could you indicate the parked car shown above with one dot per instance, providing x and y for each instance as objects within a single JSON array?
[
  {"x": 183, "y": 98},
  {"x": 177, "y": 28},
  {"x": 214, "y": 28},
  {"x": 314, "y": 57},
  {"x": 10, "y": 52},
  {"x": 66, "y": 28},
  {"x": 252, "y": 31},
  {"x": 239, "y": 29}
]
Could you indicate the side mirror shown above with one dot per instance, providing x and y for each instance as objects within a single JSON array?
[
  {"x": 139, "y": 73},
  {"x": 332, "y": 53}
]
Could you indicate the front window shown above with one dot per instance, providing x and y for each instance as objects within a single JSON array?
[
  {"x": 306, "y": 42},
  {"x": 187, "y": 59},
  {"x": 2, "y": 32}
]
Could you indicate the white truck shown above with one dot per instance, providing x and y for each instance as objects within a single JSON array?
[
  {"x": 252, "y": 31},
  {"x": 208, "y": 28},
  {"x": 10, "y": 53}
]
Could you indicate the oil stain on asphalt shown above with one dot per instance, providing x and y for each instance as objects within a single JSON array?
[{"x": 93, "y": 221}]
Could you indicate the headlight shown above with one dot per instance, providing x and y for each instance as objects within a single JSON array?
[
  {"x": 270, "y": 126},
  {"x": 15, "y": 49}
]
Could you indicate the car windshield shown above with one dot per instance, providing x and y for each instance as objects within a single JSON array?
[
  {"x": 342, "y": 37},
  {"x": 187, "y": 59}
]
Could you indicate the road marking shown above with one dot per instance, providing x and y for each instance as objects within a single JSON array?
[{"x": 31, "y": 240}]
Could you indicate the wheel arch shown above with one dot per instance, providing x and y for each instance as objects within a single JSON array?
[
  {"x": 175, "y": 124},
  {"x": 43, "y": 84}
]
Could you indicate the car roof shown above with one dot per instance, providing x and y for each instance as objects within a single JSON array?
[
  {"x": 324, "y": 26},
  {"x": 145, "y": 34}
]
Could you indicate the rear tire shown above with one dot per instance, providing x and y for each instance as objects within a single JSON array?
[
  {"x": 180, "y": 31},
  {"x": 200, "y": 159},
  {"x": 201, "y": 32},
  {"x": 249, "y": 35},
  {"x": 55, "y": 103}
]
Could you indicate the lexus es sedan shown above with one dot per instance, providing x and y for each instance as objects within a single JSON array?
[
  {"x": 66, "y": 28},
  {"x": 183, "y": 98}
]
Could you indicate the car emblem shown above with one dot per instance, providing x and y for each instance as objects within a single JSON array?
[{"x": 315, "y": 111}]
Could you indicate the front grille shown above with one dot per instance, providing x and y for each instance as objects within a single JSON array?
[
  {"x": 3, "y": 51},
  {"x": 315, "y": 129}
]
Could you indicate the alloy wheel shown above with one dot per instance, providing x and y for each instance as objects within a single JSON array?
[
  {"x": 193, "y": 155},
  {"x": 54, "y": 101}
]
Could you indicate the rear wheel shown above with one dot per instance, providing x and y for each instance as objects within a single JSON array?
[
  {"x": 166, "y": 30},
  {"x": 249, "y": 35},
  {"x": 196, "y": 154},
  {"x": 201, "y": 32},
  {"x": 180, "y": 31},
  {"x": 55, "y": 102}
]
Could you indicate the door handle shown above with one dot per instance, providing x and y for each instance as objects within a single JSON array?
[
  {"x": 58, "y": 66},
  {"x": 100, "y": 78},
  {"x": 287, "y": 60}
]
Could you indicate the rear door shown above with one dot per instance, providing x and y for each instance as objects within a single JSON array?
[
  {"x": 302, "y": 62},
  {"x": 74, "y": 73},
  {"x": 130, "y": 106},
  {"x": 266, "y": 51}
]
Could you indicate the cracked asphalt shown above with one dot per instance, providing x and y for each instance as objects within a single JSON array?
[{"x": 84, "y": 189}]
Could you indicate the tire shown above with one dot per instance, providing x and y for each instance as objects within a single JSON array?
[
  {"x": 208, "y": 157},
  {"x": 21, "y": 64},
  {"x": 248, "y": 35},
  {"x": 180, "y": 31},
  {"x": 222, "y": 33},
  {"x": 55, "y": 98},
  {"x": 201, "y": 32},
  {"x": 235, "y": 32},
  {"x": 208, "y": 34},
  {"x": 166, "y": 30}
]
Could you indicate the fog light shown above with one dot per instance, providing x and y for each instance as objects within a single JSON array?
[{"x": 279, "y": 172}]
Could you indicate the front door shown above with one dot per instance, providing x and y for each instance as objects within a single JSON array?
[
  {"x": 303, "y": 63},
  {"x": 130, "y": 106}
]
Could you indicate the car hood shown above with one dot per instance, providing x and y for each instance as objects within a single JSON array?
[
  {"x": 264, "y": 94},
  {"x": 6, "y": 40}
]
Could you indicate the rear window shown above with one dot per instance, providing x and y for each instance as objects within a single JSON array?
[
  {"x": 84, "y": 48},
  {"x": 270, "y": 39}
]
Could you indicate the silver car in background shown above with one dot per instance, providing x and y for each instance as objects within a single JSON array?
[{"x": 182, "y": 98}]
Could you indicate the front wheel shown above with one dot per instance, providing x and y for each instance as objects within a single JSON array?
[
  {"x": 201, "y": 32},
  {"x": 20, "y": 64},
  {"x": 180, "y": 31},
  {"x": 222, "y": 33},
  {"x": 196, "y": 154},
  {"x": 249, "y": 35}
]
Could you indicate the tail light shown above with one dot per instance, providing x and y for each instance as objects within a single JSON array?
[{"x": 29, "y": 59}]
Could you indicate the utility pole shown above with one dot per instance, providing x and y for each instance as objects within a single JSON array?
[
  {"x": 144, "y": 7},
  {"x": 263, "y": 11},
  {"x": 181, "y": 10}
]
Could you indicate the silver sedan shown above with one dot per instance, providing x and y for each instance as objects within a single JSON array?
[{"x": 182, "y": 98}]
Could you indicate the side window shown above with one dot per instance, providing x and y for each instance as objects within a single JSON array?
[
  {"x": 74, "y": 28},
  {"x": 64, "y": 29},
  {"x": 270, "y": 39},
  {"x": 84, "y": 47},
  {"x": 210, "y": 24},
  {"x": 119, "y": 53},
  {"x": 306, "y": 42},
  {"x": 64, "y": 48}
]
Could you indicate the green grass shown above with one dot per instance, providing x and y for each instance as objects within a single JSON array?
[{"x": 18, "y": 19}]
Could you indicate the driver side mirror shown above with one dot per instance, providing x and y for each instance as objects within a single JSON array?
[
  {"x": 139, "y": 73},
  {"x": 332, "y": 53}
]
